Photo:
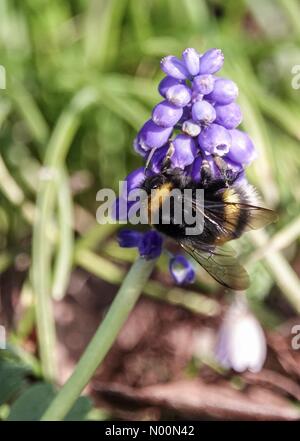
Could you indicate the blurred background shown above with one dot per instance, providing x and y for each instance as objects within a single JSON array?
[{"x": 79, "y": 78}]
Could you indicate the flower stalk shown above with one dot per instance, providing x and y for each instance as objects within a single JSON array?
[
  {"x": 103, "y": 339},
  {"x": 57, "y": 149}
]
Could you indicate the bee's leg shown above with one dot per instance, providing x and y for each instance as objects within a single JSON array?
[
  {"x": 206, "y": 173},
  {"x": 167, "y": 160},
  {"x": 226, "y": 173},
  {"x": 209, "y": 179}
]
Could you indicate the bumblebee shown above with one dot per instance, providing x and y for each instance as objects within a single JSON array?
[{"x": 228, "y": 208}]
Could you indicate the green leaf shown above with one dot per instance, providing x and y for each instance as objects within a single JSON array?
[
  {"x": 12, "y": 379},
  {"x": 80, "y": 410},
  {"x": 31, "y": 405}
]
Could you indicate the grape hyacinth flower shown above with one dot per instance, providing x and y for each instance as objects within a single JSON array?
[
  {"x": 152, "y": 135},
  {"x": 166, "y": 114},
  {"x": 203, "y": 112},
  {"x": 224, "y": 91},
  {"x": 215, "y": 139},
  {"x": 211, "y": 61},
  {"x": 149, "y": 245},
  {"x": 181, "y": 270},
  {"x": 200, "y": 118},
  {"x": 202, "y": 106},
  {"x": 191, "y": 60},
  {"x": 184, "y": 151},
  {"x": 203, "y": 84},
  {"x": 228, "y": 116},
  {"x": 241, "y": 343},
  {"x": 175, "y": 92},
  {"x": 242, "y": 149}
]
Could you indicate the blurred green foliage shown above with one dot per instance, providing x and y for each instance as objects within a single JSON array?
[{"x": 81, "y": 79}]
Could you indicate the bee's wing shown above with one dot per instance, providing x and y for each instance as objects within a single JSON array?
[
  {"x": 257, "y": 217},
  {"x": 220, "y": 263}
]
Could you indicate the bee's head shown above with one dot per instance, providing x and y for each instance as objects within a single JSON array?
[
  {"x": 175, "y": 176},
  {"x": 153, "y": 182}
]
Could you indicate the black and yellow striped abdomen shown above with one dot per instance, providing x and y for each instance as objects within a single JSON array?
[{"x": 233, "y": 213}]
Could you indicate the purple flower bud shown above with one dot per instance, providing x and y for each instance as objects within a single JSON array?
[
  {"x": 129, "y": 238},
  {"x": 190, "y": 127},
  {"x": 139, "y": 148},
  {"x": 179, "y": 95},
  {"x": 134, "y": 180},
  {"x": 165, "y": 84},
  {"x": 224, "y": 91},
  {"x": 203, "y": 84},
  {"x": 242, "y": 150},
  {"x": 150, "y": 245},
  {"x": 184, "y": 151},
  {"x": 191, "y": 60},
  {"x": 215, "y": 140},
  {"x": 153, "y": 136},
  {"x": 203, "y": 112},
  {"x": 195, "y": 170},
  {"x": 229, "y": 116},
  {"x": 241, "y": 343},
  {"x": 165, "y": 114},
  {"x": 181, "y": 270},
  {"x": 173, "y": 67},
  {"x": 211, "y": 61}
]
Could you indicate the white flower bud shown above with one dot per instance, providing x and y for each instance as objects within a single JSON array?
[{"x": 241, "y": 344}]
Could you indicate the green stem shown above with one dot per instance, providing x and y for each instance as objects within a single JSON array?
[
  {"x": 284, "y": 275},
  {"x": 57, "y": 149},
  {"x": 103, "y": 339},
  {"x": 64, "y": 259},
  {"x": 41, "y": 256}
]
